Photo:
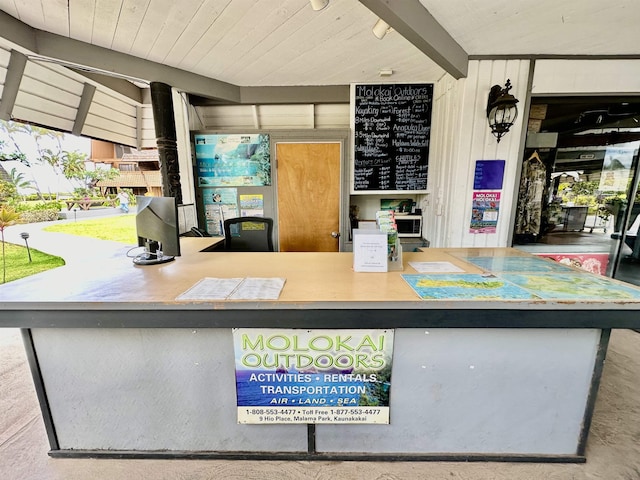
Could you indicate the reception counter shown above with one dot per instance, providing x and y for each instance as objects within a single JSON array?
[{"x": 497, "y": 354}]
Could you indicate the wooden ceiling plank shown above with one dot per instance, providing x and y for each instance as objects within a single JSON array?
[
  {"x": 81, "y": 18},
  {"x": 56, "y": 16},
  {"x": 153, "y": 23},
  {"x": 299, "y": 37},
  {"x": 105, "y": 21},
  {"x": 197, "y": 28},
  {"x": 174, "y": 26},
  {"x": 272, "y": 30},
  {"x": 128, "y": 26},
  {"x": 232, "y": 18},
  {"x": 30, "y": 13}
]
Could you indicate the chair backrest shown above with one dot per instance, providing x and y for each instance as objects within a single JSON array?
[{"x": 248, "y": 234}]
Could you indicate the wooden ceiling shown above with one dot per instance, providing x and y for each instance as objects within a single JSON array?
[{"x": 259, "y": 43}]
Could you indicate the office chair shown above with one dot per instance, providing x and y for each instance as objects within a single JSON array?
[{"x": 248, "y": 234}]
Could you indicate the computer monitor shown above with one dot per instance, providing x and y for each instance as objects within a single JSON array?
[{"x": 157, "y": 230}]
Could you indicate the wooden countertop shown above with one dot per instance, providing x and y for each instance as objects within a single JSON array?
[{"x": 313, "y": 280}]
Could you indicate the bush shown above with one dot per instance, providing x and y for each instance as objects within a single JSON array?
[
  {"x": 34, "y": 197},
  {"x": 31, "y": 207},
  {"x": 42, "y": 215}
]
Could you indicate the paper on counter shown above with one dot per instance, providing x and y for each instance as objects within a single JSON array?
[
  {"x": 258, "y": 289},
  {"x": 211, "y": 289},
  {"x": 234, "y": 289},
  {"x": 435, "y": 267}
]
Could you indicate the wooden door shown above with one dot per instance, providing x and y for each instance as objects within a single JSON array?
[{"x": 308, "y": 196}]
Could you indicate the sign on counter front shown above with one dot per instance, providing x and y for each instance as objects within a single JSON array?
[{"x": 313, "y": 376}]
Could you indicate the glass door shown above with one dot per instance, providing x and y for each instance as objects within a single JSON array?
[
  {"x": 577, "y": 201},
  {"x": 627, "y": 264}
]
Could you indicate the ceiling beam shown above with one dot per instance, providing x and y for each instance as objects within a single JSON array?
[
  {"x": 414, "y": 22},
  {"x": 15, "y": 70},
  {"x": 108, "y": 62},
  {"x": 295, "y": 94},
  {"x": 88, "y": 92}
]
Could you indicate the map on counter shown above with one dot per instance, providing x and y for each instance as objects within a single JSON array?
[
  {"x": 517, "y": 264},
  {"x": 465, "y": 286},
  {"x": 573, "y": 286}
]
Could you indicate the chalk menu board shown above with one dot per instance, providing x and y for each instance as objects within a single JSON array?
[{"x": 392, "y": 126}]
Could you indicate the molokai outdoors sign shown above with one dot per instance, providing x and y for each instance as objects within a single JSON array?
[{"x": 313, "y": 376}]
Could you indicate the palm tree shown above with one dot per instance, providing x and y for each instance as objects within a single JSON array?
[
  {"x": 8, "y": 216},
  {"x": 18, "y": 179}
]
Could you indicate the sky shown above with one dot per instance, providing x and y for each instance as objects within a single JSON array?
[{"x": 44, "y": 175}]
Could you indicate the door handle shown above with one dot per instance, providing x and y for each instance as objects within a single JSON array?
[{"x": 335, "y": 234}]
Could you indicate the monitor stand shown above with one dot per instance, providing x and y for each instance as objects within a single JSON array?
[
  {"x": 151, "y": 255},
  {"x": 151, "y": 259}
]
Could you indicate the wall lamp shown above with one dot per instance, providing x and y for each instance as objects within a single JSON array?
[
  {"x": 501, "y": 109},
  {"x": 318, "y": 4}
]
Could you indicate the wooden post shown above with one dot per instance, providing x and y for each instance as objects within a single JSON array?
[{"x": 165, "y": 125}]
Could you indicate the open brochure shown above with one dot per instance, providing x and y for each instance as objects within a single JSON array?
[{"x": 248, "y": 288}]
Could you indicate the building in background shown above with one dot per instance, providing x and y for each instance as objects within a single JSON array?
[{"x": 139, "y": 169}]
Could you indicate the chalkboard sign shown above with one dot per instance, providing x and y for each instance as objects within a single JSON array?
[{"x": 392, "y": 125}]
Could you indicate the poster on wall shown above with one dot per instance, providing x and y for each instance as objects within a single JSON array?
[
  {"x": 488, "y": 174},
  {"x": 219, "y": 204},
  {"x": 484, "y": 212},
  {"x": 232, "y": 160},
  {"x": 252, "y": 205},
  {"x": 616, "y": 169},
  {"x": 313, "y": 376}
]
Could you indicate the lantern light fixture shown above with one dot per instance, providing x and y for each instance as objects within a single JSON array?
[{"x": 501, "y": 109}]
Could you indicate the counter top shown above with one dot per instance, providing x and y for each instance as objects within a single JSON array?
[{"x": 314, "y": 281}]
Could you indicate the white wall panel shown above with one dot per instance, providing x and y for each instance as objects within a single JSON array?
[
  {"x": 115, "y": 116},
  {"x": 445, "y": 122},
  {"x": 102, "y": 97},
  {"x": 111, "y": 118},
  {"x": 44, "y": 90},
  {"x": 27, "y": 115},
  {"x": 226, "y": 117},
  {"x": 285, "y": 116},
  {"x": 452, "y": 186},
  {"x": 332, "y": 116},
  {"x": 55, "y": 76},
  {"x": 148, "y": 128},
  {"x": 96, "y": 129},
  {"x": 5, "y": 55},
  {"x": 40, "y": 104},
  {"x": 293, "y": 116},
  {"x": 574, "y": 77}
]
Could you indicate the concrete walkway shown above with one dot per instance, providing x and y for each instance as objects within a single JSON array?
[{"x": 72, "y": 248}]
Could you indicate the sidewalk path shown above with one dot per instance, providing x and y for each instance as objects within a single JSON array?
[{"x": 73, "y": 249}]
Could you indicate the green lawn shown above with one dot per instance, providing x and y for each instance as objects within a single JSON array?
[
  {"x": 18, "y": 265},
  {"x": 119, "y": 228}
]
